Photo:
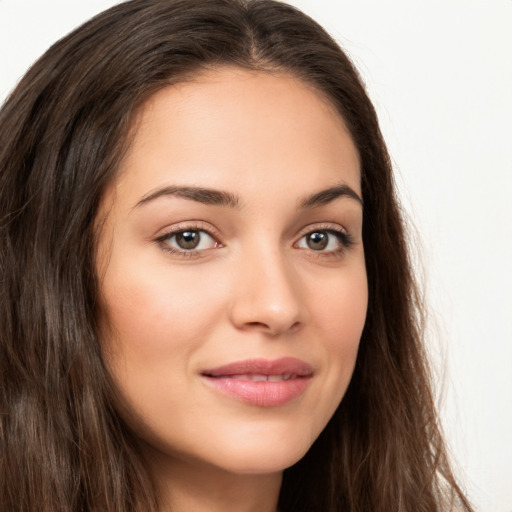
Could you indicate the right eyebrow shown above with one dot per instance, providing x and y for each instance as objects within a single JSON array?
[{"x": 203, "y": 195}]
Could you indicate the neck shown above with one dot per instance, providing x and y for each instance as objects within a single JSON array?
[{"x": 192, "y": 486}]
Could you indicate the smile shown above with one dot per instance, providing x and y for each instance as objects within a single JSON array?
[
  {"x": 261, "y": 382},
  {"x": 260, "y": 377}
]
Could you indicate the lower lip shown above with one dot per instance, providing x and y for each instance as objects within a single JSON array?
[{"x": 258, "y": 393}]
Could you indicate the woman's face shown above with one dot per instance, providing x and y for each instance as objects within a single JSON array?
[{"x": 232, "y": 271}]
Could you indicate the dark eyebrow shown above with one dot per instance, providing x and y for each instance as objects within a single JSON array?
[
  {"x": 326, "y": 196},
  {"x": 199, "y": 194},
  {"x": 221, "y": 198}
]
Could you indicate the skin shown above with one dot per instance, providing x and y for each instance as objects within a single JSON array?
[{"x": 254, "y": 287}]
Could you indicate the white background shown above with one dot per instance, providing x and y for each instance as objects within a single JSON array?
[{"x": 440, "y": 74}]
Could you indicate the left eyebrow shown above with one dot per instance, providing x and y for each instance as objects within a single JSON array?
[{"x": 330, "y": 194}]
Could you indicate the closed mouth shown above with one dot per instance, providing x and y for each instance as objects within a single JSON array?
[
  {"x": 261, "y": 382},
  {"x": 257, "y": 370},
  {"x": 255, "y": 377}
]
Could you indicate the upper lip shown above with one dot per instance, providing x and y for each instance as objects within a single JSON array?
[{"x": 285, "y": 365}]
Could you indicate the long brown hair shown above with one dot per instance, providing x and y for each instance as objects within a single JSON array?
[{"x": 63, "y": 447}]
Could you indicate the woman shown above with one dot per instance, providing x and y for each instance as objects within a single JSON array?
[{"x": 206, "y": 298}]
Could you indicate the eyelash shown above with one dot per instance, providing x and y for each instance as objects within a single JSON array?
[
  {"x": 163, "y": 239},
  {"x": 345, "y": 240}
]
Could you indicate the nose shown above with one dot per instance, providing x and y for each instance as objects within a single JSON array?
[{"x": 266, "y": 295}]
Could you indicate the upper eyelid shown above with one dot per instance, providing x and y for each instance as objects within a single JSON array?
[
  {"x": 203, "y": 226},
  {"x": 184, "y": 253},
  {"x": 188, "y": 226},
  {"x": 198, "y": 225},
  {"x": 323, "y": 226}
]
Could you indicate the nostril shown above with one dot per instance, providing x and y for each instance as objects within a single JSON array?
[
  {"x": 270, "y": 329},
  {"x": 258, "y": 324},
  {"x": 295, "y": 326}
]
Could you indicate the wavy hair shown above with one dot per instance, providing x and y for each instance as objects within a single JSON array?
[{"x": 64, "y": 129}]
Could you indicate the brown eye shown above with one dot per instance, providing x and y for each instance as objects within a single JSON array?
[
  {"x": 188, "y": 239},
  {"x": 317, "y": 240},
  {"x": 324, "y": 240}
]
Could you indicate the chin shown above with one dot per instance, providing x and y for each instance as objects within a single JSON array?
[
  {"x": 265, "y": 456},
  {"x": 258, "y": 465}
]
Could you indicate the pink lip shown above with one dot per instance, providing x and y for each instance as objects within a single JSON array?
[{"x": 243, "y": 380}]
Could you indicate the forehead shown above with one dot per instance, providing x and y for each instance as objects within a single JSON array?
[{"x": 239, "y": 127}]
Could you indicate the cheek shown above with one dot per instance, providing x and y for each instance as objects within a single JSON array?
[
  {"x": 344, "y": 315},
  {"x": 156, "y": 313},
  {"x": 157, "y": 319},
  {"x": 341, "y": 314},
  {"x": 342, "y": 304}
]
